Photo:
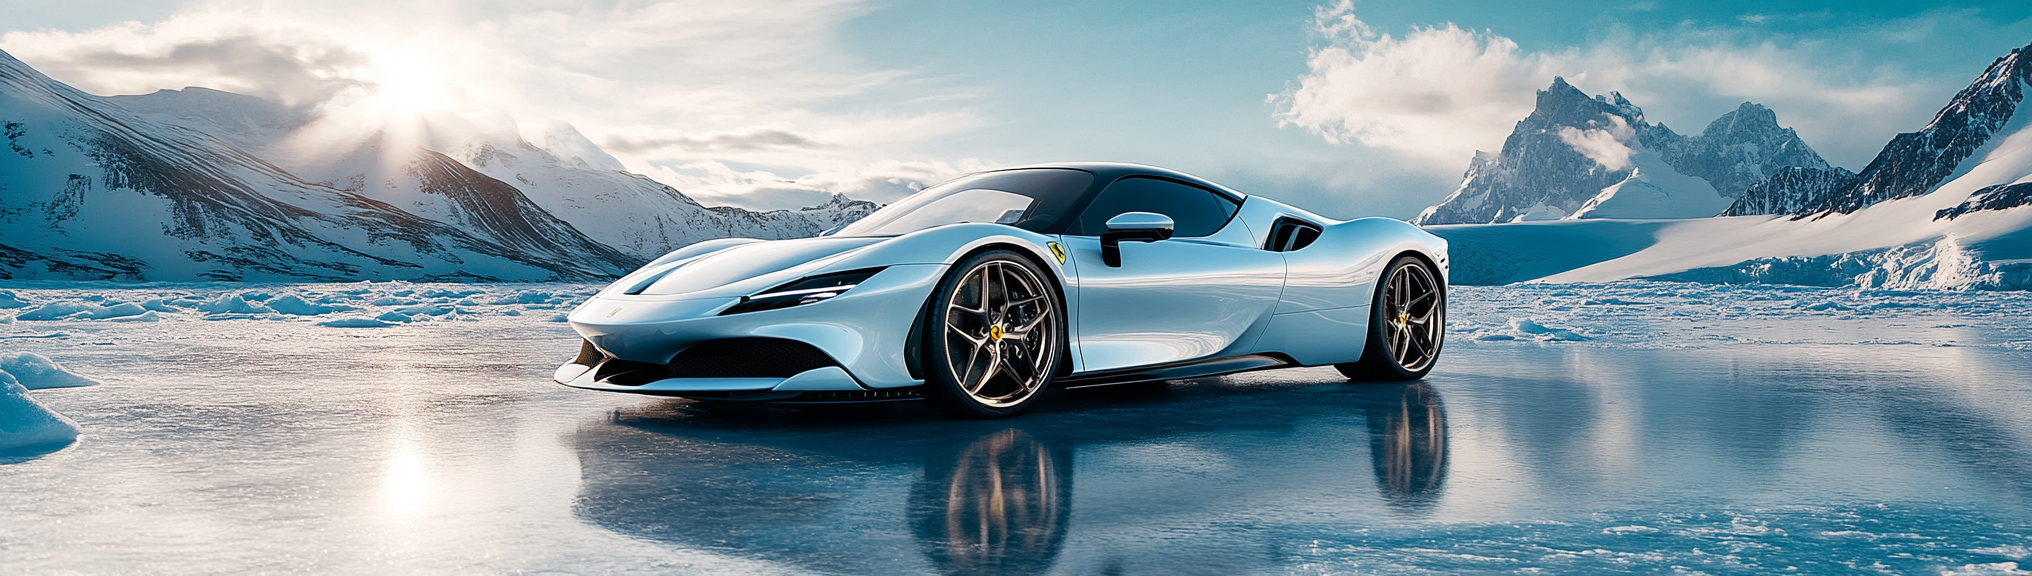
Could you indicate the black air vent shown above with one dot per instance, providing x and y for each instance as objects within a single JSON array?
[
  {"x": 1290, "y": 235},
  {"x": 747, "y": 358}
]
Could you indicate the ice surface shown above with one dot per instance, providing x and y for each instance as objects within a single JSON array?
[{"x": 1865, "y": 431}]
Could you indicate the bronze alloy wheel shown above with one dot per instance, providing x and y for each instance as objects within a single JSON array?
[
  {"x": 995, "y": 337},
  {"x": 1407, "y": 325}
]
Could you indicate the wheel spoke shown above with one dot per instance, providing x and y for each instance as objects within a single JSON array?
[
  {"x": 1421, "y": 298},
  {"x": 1022, "y": 382},
  {"x": 973, "y": 358},
  {"x": 962, "y": 333},
  {"x": 994, "y": 367},
  {"x": 1025, "y": 301}
]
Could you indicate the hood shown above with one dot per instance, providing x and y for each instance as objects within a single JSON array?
[{"x": 735, "y": 268}]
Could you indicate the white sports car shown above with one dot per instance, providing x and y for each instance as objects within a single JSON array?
[{"x": 977, "y": 294}]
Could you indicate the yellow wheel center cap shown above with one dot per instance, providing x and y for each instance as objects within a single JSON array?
[
  {"x": 1403, "y": 318},
  {"x": 995, "y": 332}
]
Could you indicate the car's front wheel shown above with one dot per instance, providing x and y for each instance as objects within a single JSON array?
[
  {"x": 1407, "y": 325},
  {"x": 992, "y": 337}
]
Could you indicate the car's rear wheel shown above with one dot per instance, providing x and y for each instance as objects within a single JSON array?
[
  {"x": 1407, "y": 325},
  {"x": 993, "y": 338}
]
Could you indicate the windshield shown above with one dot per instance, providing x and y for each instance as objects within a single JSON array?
[{"x": 1032, "y": 199}]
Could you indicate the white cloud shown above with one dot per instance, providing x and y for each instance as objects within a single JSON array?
[
  {"x": 1605, "y": 146},
  {"x": 1437, "y": 94},
  {"x": 213, "y": 50},
  {"x": 881, "y": 181},
  {"x": 658, "y": 84}
]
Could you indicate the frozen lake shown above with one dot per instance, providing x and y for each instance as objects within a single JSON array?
[{"x": 1641, "y": 427}]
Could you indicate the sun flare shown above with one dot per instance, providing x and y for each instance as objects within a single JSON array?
[{"x": 405, "y": 83}]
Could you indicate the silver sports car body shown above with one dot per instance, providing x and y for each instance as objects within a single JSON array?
[{"x": 977, "y": 294}]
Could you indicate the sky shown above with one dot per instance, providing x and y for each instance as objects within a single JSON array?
[{"x": 1349, "y": 109}]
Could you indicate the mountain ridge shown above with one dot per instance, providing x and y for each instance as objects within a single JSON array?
[
  {"x": 1580, "y": 156},
  {"x": 191, "y": 185}
]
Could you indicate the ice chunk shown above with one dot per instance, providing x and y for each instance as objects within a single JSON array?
[
  {"x": 296, "y": 306},
  {"x": 122, "y": 310},
  {"x": 355, "y": 322},
  {"x": 525, "y": 297},
  {"x": 234, "y": 304},
  {"x": 9, "y": 300},
  {"x": 74, "y": 309},
  {"x": 1543, "y": 332},
  {"x": 26, "y": 427},
  {"x": 396, "y": 317},
  {"x": 56, "y": 311},
  {"x": 36, "y": 372},
  {"x": 424, "y": 310}
]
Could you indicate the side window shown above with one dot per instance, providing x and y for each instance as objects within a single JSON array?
[{"x": 1193, "y": 211}]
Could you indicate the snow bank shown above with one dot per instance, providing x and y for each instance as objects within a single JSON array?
[{"x": 27, "y": 427}]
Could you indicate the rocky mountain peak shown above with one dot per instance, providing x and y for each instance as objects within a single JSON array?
[
  {"x": 1916, "y": 163},
  {"x": 1575, "y": 154},
  {"x": 1561, "y": 104},
  {"x": 1748, "y": 118}
]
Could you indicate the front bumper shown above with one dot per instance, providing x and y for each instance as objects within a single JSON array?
[{"x": 863, "y": 332}]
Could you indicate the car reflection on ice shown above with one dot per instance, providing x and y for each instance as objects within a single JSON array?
[{"x": 865, "y": 496}]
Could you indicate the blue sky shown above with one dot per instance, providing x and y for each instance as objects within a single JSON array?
[{"x": 1369, "y": 108}]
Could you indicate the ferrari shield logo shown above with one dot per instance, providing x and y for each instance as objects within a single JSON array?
[{"x": 1058, "y": 251}]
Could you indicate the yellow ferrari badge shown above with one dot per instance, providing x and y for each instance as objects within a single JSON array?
[{"x": 1058, "y": 252}]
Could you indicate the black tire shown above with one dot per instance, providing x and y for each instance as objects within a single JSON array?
[
  {"x": 1000, "y": 307},
  {"x": 1407, "y": 325}
]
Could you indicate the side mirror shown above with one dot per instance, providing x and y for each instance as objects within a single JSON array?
[{"x": 1134, "y": 227}]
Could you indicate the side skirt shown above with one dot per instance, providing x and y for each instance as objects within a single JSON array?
[{"x": 1176, "y": 371}]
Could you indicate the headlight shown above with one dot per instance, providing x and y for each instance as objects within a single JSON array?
[{"x": 806, "y": 290}]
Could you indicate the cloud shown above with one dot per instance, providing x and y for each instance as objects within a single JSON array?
[
  {"x": 1437, "y": 94},
  {"x": 1605, "y": 145},
  {"x": 743, "y": 141},
  {"x": 210, "y": 51},
  {"x": 883, "y": 181}
]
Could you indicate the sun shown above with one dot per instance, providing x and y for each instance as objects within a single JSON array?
[{"x": 404, "y": 83}]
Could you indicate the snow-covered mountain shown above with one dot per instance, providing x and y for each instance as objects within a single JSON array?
[
  {"x": 202, "y": 184},
  {"x": 1945, "y": 207},
  {"x": 1577, "y": 157},
  {"x": 566, "y": 175},
  {"x": 1913, "y": 163}
]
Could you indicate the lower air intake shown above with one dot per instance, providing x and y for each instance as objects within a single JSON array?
[{"x": 747, "y": 358}]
